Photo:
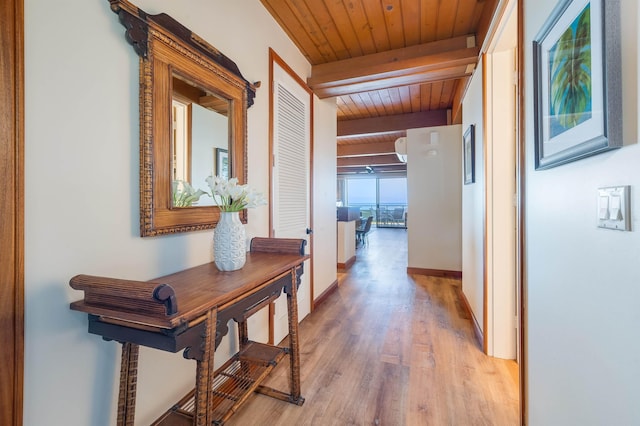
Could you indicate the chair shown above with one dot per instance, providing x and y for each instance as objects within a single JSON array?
[
  {"x": 365, "y": 213},
  {"x": 363, "y": 231},
  {"x": 384, "y": 217},
  {"x": 398, "y": 216}
]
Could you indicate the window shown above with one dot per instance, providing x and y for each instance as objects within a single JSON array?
[{"x": 384, "y": 198}]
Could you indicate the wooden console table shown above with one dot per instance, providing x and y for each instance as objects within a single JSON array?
[{"x": 189, "y": 311}]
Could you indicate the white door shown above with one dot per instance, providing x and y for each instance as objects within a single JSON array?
[{"x": 291, "y": 180}]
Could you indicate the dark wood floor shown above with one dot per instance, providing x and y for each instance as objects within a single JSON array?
[{"x": 391, "y": 349}]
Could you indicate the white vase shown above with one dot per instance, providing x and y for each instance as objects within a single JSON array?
[{"x": 229, "y": 249}]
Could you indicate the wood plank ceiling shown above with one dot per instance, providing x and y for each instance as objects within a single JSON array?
[{"x": 392, "y": 64}]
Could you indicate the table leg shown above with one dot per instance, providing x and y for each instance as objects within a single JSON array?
[
  {"x": 294, "y": 354},
  {"x": 204, "y": 373},
  {"x": 128, "y": 381},
  {"x": 243, "y": 334}
]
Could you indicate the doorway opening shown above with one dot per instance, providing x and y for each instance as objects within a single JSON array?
[
  {"x": 382, "y": 197},
  {"x": 503, "y": 227}
]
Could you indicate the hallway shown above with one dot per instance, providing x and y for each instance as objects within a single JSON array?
[{"x": 391, "y": 349}]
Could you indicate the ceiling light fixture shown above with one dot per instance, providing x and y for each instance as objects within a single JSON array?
[{"x": 401, "y": 149}]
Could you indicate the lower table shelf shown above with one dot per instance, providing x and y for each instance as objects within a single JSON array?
[{"x": 234, "y": 382}]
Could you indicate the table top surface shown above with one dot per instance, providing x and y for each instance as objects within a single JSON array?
[{"x": 201, "y": 288}]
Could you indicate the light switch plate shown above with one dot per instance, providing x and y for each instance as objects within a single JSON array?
[{"x": 614, "y": 208}]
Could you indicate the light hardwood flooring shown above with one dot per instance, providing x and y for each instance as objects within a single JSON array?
[{"x": 390, "y": 349}]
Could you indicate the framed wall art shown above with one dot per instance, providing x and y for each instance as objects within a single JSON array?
[
  {"x": 222, "y": 163},
  {"x": 469, "y": 155},
  {"x": 577, "y": 82}
]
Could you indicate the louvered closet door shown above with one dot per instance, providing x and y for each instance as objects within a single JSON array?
[{"x": 291, "y": 203}]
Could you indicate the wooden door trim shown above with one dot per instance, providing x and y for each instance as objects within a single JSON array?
[
  {"x": 274, "y": 58},
  {"x": 485, "y": 201},
  {"x": 12, "y": 205},
  {"x": 521, "y": 237}
]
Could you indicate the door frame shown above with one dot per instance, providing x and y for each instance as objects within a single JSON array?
[
  {"x": 520, "y": 216},
  {"x": 12, "y": 207},
  {"x": 521, "y": 265},
  {"x": 500, "y": 247},
  {"x": 274, "y": 59}
]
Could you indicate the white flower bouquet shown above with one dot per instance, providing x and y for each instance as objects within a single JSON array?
[
  {"x": 231, "y": 197},
  {"x": 184, "y": 195}
]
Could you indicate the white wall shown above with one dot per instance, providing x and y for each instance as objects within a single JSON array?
[
  {"x": 500, "y": 331},
  {"x": 81, "y": 212},
  {"x": 206, "y": 124},
  {"x": 583, "y": 283},
  {"x": 473, "y": 204},
  {"x": 324, "y": 193},
  {"x": 434, "y": 199}
]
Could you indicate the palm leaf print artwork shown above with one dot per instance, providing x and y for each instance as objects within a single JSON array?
[{"x": 570, "y": 75}]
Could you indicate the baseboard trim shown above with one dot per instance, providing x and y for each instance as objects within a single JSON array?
[
  {"x": 348, "y": 264},
  {"x": 435, "y": 272},
  {"x": 325, "y": 294},
  {"x": 476, "y": 327}
]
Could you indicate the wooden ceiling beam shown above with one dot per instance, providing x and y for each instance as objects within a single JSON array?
[
  {"x": 391, "y": 135},
  {"x": 390, "y": 123},
  {"x": 428, "y": 62},
  {"x": 434, "y": 76},
  {"x": 216, "y": 104},
  {"x": 366, "y": 149},
  {"x": 378, "y": 160},
  {"x": 458, "y": 96},
  {"x": 490, "y": 14}
]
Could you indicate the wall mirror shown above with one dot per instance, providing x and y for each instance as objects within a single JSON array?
[
  {"x": 200, "y": 131},
  {"x": 193, "y": 116}
]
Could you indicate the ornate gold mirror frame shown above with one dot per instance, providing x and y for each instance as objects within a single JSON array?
[{"x": 168, "y": 50}]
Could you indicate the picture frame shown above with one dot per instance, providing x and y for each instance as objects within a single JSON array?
[
  {"x": 222, "y": 162},
  {"x": 577, "y": 82},
  {"x": 469, "y": 155}
]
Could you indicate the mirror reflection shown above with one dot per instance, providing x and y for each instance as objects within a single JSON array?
[{"x": 199, "y": 142}]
